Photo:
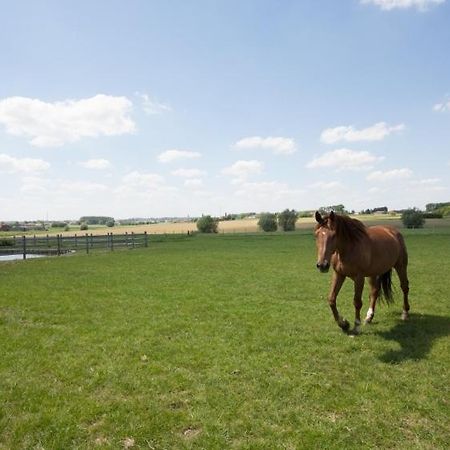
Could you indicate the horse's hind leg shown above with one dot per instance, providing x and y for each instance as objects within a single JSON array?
[
  {"x": 373, "y": 296},
  {"x": 404, "y": 283}
]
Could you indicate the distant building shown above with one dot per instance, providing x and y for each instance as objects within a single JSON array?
[{"x": 5, "y": 227}]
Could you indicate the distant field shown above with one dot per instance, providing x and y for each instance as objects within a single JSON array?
[
  {"x": 251, "y": 225},
  {"x": 241, "y": 226},
  {"x": 217, "y": 342}
]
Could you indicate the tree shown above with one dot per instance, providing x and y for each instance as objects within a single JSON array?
[
  {"x": 84, "y": 226},
  {"x": 95, "y": 220},
  {"x": 340, "y": 209},
  {"x": 58, "y": 224},
  {"x": 110, "y": 223},
  {"x": 413, "y": 218},
  {"x": 207, "y": 224},
  {"x": 268, "y": 222},
  {"x": 287, "y": 219}
]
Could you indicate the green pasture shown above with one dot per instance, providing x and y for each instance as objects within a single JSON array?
[{"x": 217, "y": 342}]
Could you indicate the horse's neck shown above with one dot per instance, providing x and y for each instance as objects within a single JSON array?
[{"x": 351, "y": 252}]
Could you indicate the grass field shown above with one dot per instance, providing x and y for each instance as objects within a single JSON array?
[{"x": 215, "y": 342}]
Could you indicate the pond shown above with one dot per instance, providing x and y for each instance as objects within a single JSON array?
[{"x": 17, "y": 257}]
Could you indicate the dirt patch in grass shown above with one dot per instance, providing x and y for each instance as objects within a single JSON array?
[{"x": 191, "y": 432}]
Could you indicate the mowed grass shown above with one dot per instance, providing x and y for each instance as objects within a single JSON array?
[{"x": 215, "y": 342}]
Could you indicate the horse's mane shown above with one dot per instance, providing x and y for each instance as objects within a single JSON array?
[{"x": 348, "y": 230}]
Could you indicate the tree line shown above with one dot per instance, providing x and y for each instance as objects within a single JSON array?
[{"x": 284, "y": 220}]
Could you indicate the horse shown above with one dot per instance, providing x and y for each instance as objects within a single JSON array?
[{"x": 357, "y": 252}]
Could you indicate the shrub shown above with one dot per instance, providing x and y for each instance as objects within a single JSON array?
[
  {"x": 84, "y": 226},
  {"x": 6, "y": 243},
  {"x": 67, "y": 228},
  {"x": 413, "y": 218},
  {"x": 268, "y": 222},
  {"x": 58, "y": 224},
  {"x": 207, "y": 224},
  {"x": 432, "y": 215},
  {"x": 287, "y": 219},
  {"x": 110, "y": 223}
]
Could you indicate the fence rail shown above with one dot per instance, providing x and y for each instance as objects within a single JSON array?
[{"x": 49, "y": 245}]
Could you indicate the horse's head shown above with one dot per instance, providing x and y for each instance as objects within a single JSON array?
[{"x": 325, "y": 240}]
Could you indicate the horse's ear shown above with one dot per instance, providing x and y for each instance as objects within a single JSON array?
[
  {"x": 332, "y": 216},
  {"x": 319, "y": 218}
]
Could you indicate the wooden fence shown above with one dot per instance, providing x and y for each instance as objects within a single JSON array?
[{"x": 47, "y": 245}]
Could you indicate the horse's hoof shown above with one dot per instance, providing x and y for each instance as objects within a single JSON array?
[
  {"x": 345, "y": 325},
  {"x": 368, "y": 320},
  {"x": 354, "y": 332},
  {"x": 405, "y": 315}
]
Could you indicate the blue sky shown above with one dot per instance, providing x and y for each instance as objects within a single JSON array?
[{"x": 175, "y": 108}]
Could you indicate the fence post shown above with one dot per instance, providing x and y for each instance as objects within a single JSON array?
[
  {"x": 87, "y": 243},
  {"x": 112, "y": 242},
  {"x": 58, "y": 243},
  {"x": 145, "y": 239},
  {"x": 92, "y": 241},
  {"x": 24, "y": 242},
  {"x": 132, "y": 238},
  {"x": 48, "y": 241},
  {"x": 34, "y": 241},
  {"x": 76, "y": 241}
]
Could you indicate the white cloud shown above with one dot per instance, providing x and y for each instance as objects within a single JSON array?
[
  {"x": 34, "y": 185},
  {"x": 137, "y": 179},
  {"x": 268, "y": 195},
  {"x": 144, "y": 185},
  {"x": 375, "y": 132},
  {"x": 428, "y": 185},
  {"x": 442, "y": 107},
  {"x": 429, "y": 181},
  {"x": 345, "y": 159},
  {"x": 55, "y": 124},
  {"x": 331, "y": 185},
  {"x": 278, "y": 145},
  {"x": 145, "y": 191},
  {"x": 152, "y": 106},
  {"x": 81, "y": 187},
  {"x": 176, "y": 155},
  {"x": 60, "y": 188},
  {"x": 390, "y": 175},
  {"x": 241, "y": 170},
  {"x": 262, "y": 189},
  {"x": 377, "y": 190},
  {"x": 193, "y": 183},
  {"x": 96, "y": 164},
  {"x": 387, "y": 5},
  {"x": 188, "y": 173},
  {"x": 9, "y": 164}
]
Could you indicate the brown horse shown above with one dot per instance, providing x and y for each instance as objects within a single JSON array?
[{"x": 357, "y": 251}]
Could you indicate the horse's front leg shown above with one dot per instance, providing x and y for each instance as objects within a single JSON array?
[
  {"x": 336, "y": 284},
  {"x": 357, "y": 302}
]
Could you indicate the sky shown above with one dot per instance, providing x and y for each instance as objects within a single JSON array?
[{"x": 181, "y": 108}]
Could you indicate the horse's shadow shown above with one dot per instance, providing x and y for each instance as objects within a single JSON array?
[{"x": 415, "y": 336}]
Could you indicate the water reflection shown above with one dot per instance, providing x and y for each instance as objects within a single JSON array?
[{"x": 17, "y": 257}]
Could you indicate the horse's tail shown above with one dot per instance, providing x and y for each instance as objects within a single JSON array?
[{"x": 385, "y": 283}]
